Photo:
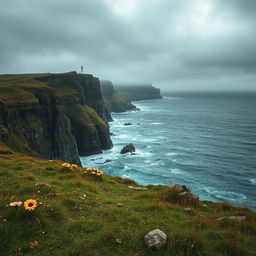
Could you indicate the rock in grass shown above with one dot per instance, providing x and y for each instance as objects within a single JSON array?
[
  {"x": 187, "y": 210},
  {"x": 155, "y": 239},
  {"x": 137, "y": 188},
  {"x": 238, "y": 218},
  {"x": 42, "y": 185},
  {"x": 181, "y": 188},
  {"x": 128, "y": 148}
]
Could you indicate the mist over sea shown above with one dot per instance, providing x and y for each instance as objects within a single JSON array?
[{"x": 205, "y": 141}]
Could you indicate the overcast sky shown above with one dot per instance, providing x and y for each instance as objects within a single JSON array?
[{"x": 174, "y": 44}]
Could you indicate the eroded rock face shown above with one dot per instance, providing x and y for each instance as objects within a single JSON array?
[
  {"x": 138, "y": 92},
  {"x": 55, "y": 116},
  {"x": 155, "y": 239},
  {"x": 128, "y": 148},
  {"x": 37, "y": 125},
  {"x": 113, "y": 100},
  {"x": 85, "y": 108}
]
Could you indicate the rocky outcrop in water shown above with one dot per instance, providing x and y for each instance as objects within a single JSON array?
[
  {"x": 128, "y": 149},
  {"x": 113, "y": 100},
  {"x": 138, "y": 92}
]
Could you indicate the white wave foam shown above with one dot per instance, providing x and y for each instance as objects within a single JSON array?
[
  {"x": 123, "y": 136},
  {"x": 171, "y": 154},
  {"x": 253, "y": 181},
  {"x": 175, "y": 171},
  {"x": 156, "y": 123},
  {"x": 126, "y": 168},
  {"x": 225, "y": 195},
  {"x": 125, "y": 176}
]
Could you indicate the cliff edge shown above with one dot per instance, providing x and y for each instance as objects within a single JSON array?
[
  {"x": 114, "y": 101},
  {"x": 135, "y": 92},
  {"x": 53, "y": 116}
]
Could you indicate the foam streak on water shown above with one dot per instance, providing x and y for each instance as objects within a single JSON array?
[{"x": 206, "y": 142}]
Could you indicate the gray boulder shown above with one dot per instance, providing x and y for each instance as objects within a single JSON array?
[{"x": 155, "y": 239}]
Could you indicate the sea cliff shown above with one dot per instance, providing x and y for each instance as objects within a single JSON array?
[
  {"x": 135, "y": 92},
  {"x": 114, "y": 101},
  {"x": 53, "y": 116}
]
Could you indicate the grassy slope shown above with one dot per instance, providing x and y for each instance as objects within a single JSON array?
[
  {"x": 116, "y": 102},
  {"x": 85, "y": 115},
  {"x": 84, "y": 219}
]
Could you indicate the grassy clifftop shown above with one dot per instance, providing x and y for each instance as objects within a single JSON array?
[
  {"x": 37, "y": 115},
  {"x": 81, "y": 214}
]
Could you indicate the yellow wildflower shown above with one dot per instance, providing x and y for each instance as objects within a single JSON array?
[{"x": 30, "y": 204}]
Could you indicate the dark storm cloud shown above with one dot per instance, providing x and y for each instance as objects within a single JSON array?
[{"x": 175, "y": 44}]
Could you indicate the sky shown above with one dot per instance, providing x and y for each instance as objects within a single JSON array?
[{"x": 173, "y": 44}]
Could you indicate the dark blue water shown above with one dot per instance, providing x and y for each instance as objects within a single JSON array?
[{"x": 207, "y": 142}]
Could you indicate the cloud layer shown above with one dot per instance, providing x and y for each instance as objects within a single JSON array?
[{"x": 177, "y": 45}]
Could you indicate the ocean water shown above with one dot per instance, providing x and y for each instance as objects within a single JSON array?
[{"x": 205, "y": 141}]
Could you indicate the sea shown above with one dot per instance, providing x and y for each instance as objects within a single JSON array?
[{"x": 206, "y": 141}]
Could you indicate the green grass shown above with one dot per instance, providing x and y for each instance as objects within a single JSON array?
[
  {"x": 85, "y": 115},
  {"x": 84, "y": 219}
]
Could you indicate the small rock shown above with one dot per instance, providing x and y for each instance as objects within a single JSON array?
[
  {"x": 238, "y": 218},
  {"x": 120, "y": 205},
  {"x": 155, "y": 239},
  {"x": 181, "y": 188},
  {"x": 126, "y": 124},
  {"x": 42, "y": 185},
  {"x": 137, "y": 188},
  {"x": 128, "y": 148},
  {"x": 187, "y": 210},
  {"x": 112, "y": 134},
  {"x": 195, "y": 197},
  {"x": 205, "y": 205},
  {"x": 185, "y": 193},
  {"x": 107, "y": 161}
]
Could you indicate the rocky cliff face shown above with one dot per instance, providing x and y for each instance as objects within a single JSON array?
[
  {"x": 138, "y": 92},
  {"x": 33, "y": 122},
  {"x": 54, "y": 116},
  {"x": 84, "y": 106},
  {"x": 113, "y": 100}
]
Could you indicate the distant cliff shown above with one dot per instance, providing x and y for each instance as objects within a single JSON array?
[
  {"x": 113, "y": 100},
  {"x": 54, "y": 116},
  {"x": 138, "y": 92}
]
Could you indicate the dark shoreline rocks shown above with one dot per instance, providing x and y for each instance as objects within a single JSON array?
[{"x": 128, "y": 149}]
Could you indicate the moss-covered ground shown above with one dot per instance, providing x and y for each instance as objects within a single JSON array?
[{"x": 85, "y": 215}]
